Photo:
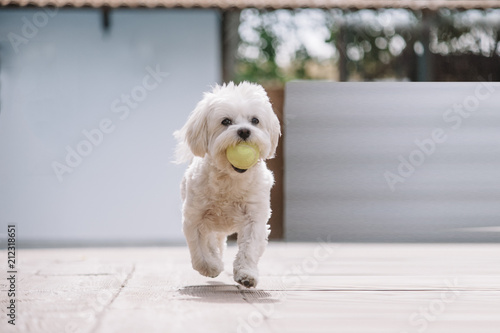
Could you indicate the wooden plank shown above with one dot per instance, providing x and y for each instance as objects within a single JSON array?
[
  {"x": 385, "y": 312},
  {"x": 314, "y": 287},
  {"x": 176, "y": 297}
]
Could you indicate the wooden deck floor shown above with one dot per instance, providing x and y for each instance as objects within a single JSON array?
[{"x": 313, "y": 287}]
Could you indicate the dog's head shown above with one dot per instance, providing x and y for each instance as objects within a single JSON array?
[{"x": 228, "y": 115}]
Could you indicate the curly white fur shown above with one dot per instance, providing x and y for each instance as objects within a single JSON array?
[{"x": 217, "y": 199}]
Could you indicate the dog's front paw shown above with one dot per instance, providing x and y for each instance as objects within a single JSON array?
[
  {"x": 209, "y": 270},
  {"x": 246, "y": 278}
]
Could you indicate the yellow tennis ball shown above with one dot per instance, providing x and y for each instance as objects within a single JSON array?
[{"x": 243, "y": 155}]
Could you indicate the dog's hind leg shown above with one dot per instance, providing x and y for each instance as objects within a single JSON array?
[{"x": 221, "y": 239}]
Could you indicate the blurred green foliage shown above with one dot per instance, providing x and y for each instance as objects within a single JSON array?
[{"x": 277, "y": 46}]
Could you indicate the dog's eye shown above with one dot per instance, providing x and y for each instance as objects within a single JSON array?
[
  {"x": 226, "y": 122},
  {"x": 255, "y": 121}
]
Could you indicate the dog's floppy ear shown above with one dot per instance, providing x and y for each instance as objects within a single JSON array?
[
  {"x": 195, "y": 129},
  {"x": 274, "y": 133}
]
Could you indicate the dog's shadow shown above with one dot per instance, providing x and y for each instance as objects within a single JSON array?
[{"x": 218, "y": 292}]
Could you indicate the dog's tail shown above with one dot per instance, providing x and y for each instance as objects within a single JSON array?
[{"x": 182, "y": 152}]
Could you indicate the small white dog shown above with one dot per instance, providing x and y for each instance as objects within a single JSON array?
[{"x": 218, "y": 198}]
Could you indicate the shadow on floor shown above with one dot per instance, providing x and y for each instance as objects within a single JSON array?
[{"x": 217, "y": 292}]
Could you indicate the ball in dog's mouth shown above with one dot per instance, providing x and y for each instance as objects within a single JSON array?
[{"x": 242, "y": 156}]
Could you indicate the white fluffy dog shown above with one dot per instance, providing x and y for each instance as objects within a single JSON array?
[{"x": 219, "y": 199}]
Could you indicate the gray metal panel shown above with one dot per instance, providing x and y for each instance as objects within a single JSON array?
[{"x": 343, "y": 139}]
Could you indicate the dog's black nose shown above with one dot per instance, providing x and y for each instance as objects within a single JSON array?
[{"x": 244, "y": 133}]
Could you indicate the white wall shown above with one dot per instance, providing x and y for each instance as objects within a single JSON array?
[
  {"x": 344, "y": 175},
  {"x": 63, "y": 78}
]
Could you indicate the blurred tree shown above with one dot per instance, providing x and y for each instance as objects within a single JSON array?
[
  {"x": 257, "y": 58},
  {"x": 466, "y": 45},
  {"x": 374, "y": 41},
  {"x": 264, "y": 67},
  {"x": 399, "y": 44}
]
